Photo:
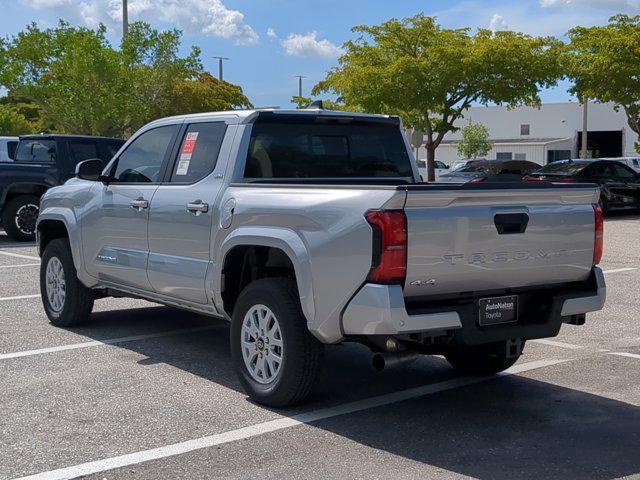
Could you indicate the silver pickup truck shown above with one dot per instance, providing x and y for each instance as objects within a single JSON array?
[{"x": 305, "y": 228}]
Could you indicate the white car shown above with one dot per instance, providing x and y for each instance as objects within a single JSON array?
[
  {"x": 8, "y": 148},
  {"x": 441, "y": 168}
]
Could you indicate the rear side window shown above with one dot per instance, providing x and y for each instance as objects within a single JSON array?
[
  {"x": 142, "y": 161},
  {"x": 198, "y": 152},
  {"x": 82, "y": 150},
  {"x": 327, "y": 150},
  {"x": 12, "y": 145},
  {"x": 36, "y": 151}
]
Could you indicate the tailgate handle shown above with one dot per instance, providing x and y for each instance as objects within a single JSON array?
[{"x": 510, "y": 223}]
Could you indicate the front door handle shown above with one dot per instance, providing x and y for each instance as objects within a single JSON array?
[
  {"x": 139, "y": 204},
  {"x": 197, "y": 207}
]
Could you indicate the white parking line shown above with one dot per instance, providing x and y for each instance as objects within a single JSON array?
[
  {"x": 555, "y": 343},
  {"x": 19, "y": 297},
  {"x": 109, "y": 341},
  {"x": 19, "y": 255},
  {"x": 23, "y": 265},
  {"x": 625, "y": 354},
  {"x": 272, "y": 426},
  {"x": 620, "y": 270}
]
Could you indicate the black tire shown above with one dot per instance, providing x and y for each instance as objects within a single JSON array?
[
  {"x": 301, "y": 352},
  {"x": 481, "y": 359},
  {"x": 78, "y": 301},
  {"x": 19, "y": 217}
]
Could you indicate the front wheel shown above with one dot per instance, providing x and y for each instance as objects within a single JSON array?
[
  {"x": 67, "y": 302},
  {"x": 20, "y": 216},
  {"x": 275, "y": 356},
  {"x": 482, "y": 359}
]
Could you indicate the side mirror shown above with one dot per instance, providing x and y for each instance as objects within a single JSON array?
[{"x": 89, "y": 169}]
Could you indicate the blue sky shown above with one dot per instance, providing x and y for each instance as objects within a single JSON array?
[{"x": 271, "y": 41}]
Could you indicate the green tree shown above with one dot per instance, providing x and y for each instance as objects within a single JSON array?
[
  {"x": 84, "y": 85},
  {"x": 474, "y": 142},
  {"x": 12, "y": 122},
  {"x": 429, "y": 75},
  {"x": 604, "y": 62}
]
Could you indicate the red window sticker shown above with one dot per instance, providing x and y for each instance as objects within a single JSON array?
[{"x": 189, "y": 144}]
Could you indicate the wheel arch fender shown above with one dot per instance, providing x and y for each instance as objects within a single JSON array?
[
  {"x": 68, "y": 219},
  {"x": 284, "y": 239}
]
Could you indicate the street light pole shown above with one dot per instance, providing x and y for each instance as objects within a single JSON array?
[
  {"x": 585, "y": 116},
  {"x": 125, "y": 19},
  {"x": 220, "y": 59},
  {"x": 300, "y": 77}
]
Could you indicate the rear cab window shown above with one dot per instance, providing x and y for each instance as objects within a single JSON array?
[{"x": 326, "y": 148}]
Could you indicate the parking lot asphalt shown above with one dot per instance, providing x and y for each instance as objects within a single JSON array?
[{"x": 148, "y": 392}]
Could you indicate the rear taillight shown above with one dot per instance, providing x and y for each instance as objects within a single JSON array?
[
  {"x": 477, "y": 180},
  {"x": 598, "y": 241},
  {"x": 389, "y": 262},
  {"x": 534, "y": 179},
  {"x": 564, "y": 180}
]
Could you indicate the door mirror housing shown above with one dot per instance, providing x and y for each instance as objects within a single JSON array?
[{"x": 90, "y": 169}]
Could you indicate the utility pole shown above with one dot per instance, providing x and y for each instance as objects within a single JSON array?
[
  {"x": 220, "y": 60},
  {"x": 585, "y": 115},
  {"x": 125, "y": 19},
  {"x": 300, "y": 77}
]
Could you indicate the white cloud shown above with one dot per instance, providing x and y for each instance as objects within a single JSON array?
[
  {"x": 309, "y": 46},
  {"x": 45, "y": 3},
  {"x": 498, "y": 23},
  {"x": 207, "y": 17},
  {"x": 271, "y": 33},
  {"x": 602, "y": 4}
]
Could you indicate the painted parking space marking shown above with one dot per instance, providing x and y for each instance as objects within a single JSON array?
[
  {"x": 555, "y": 343},
  {"x": 625, "y": 354},
  {"x": 274, "y": 425},
  {"x": 19, "y": 297},
  {"x": 109, "y": 341},
  {"x": 19, "y": 255},
  {"x": 23, "y": 265},
  {"x": 620, "y": 270}
]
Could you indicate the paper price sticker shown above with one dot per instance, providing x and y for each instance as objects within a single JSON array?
[{"x": 189, "y": 144}]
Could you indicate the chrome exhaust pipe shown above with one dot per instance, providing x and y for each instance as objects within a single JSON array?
[{"x": 390, "y": 360}]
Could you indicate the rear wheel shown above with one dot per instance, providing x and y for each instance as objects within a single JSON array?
[
  {"x": 67, "y": 302},
  {"x": 482, "y": 359},
  {"x": 19, "y": 217},
  {"x": 275, "y": 356}
]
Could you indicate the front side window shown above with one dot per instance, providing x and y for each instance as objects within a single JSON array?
[
  {"x": 81, "y": 150},
  {"x": 326, "y": 150},
  {"x": 142, "y": 161},
  {"x": 36, "y": 151},
  {"x": 198, "y": 152}
]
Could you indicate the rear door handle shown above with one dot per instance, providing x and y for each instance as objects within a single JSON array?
[
  {"x": 139, "y": 204},
  {"x": 510, "y": 223},
  {"x": 197, "y": 207}
]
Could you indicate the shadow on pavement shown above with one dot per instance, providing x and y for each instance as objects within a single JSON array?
[{"x": 513, "y": 427}]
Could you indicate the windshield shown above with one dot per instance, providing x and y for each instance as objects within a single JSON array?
[
  {"x": 36, "y": 150},
  {"x": 326, "y": 150},
  {"x": 563, "y": 167}
]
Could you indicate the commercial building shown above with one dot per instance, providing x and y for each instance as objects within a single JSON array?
[{"x": 551, "y": 132}]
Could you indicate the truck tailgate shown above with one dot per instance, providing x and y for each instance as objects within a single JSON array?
[{"x": 463, "y": 240}]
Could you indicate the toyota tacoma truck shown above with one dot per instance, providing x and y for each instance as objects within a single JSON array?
[{"x": 306, "y": 228}]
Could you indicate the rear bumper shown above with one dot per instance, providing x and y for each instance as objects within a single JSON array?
[{"x": 381, "y": 310}]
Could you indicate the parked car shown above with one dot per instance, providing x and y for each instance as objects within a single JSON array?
[
  {"x": 306, "y": 228},
  {"x": 440, "y": 168},
  {"x": 42, "y": 162},
  {"x": 8, "y": 148},
  {"x": 631, "y": 162},
  {"x": 619, "y": 184},
  {"x": 477, "y": 171}
]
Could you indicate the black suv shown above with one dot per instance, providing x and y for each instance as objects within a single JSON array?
[{"x": 43, "y": 161}]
